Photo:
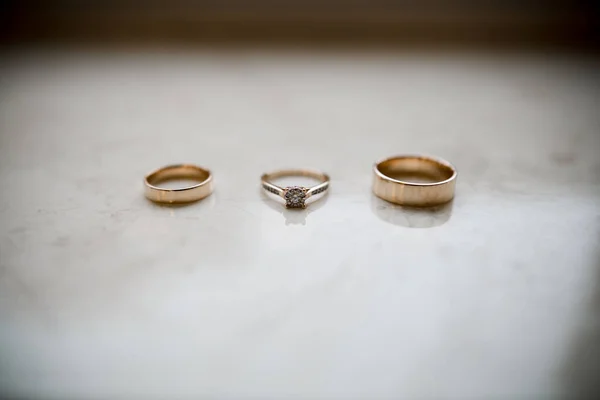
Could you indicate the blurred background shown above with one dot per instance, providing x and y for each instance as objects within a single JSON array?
[{"x": 513, "y": 23}]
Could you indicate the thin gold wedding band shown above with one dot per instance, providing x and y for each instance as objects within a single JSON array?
[
  {"x": 414, "y": 180},
  {"x": 184, "y": 194}
]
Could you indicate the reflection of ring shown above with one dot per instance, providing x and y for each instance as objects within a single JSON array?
[
  {"x": 295, "y": 196},
  {"x": 414, "y": 180},
  {"x": 185, "y": 194}
]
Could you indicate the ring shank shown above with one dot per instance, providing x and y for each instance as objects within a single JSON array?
[
  {"x": 269, "y": 186},
  {"x": 295, "y": 172},
  {"x": 414, "y": 180},
  {"x": 179, "y": 195}
]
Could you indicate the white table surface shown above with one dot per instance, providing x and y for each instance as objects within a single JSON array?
[{"x": 104, "y": 295}]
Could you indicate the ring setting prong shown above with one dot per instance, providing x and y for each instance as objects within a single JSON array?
[{"x": 295, "y": 196}]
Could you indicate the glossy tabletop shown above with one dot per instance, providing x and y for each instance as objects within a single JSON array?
[{"x": 104, "y": 294}]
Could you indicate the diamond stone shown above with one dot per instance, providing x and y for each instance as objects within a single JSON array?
[{"x": 294, "y": 196}]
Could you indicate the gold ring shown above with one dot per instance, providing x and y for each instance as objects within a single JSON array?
[
  {"x": 295, "y": 196},
  {"x": 184, "y": 194},
  {"x": 414, "y": 180}
]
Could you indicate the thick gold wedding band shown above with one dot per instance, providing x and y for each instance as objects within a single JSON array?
[
  {"x": 184, "y": 194},
  {"x": 414, "y": 180}
]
